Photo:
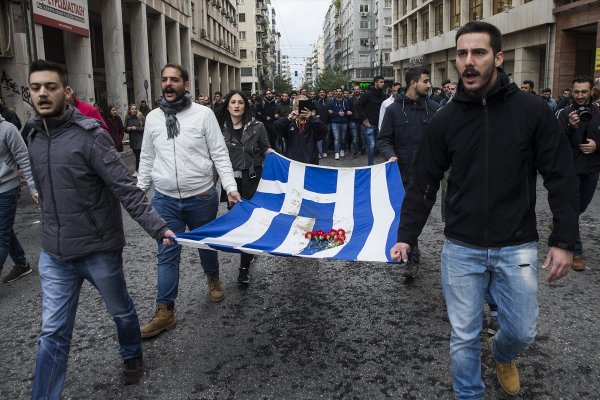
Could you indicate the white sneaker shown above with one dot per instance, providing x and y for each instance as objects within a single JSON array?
[
  {"x": 324, "y": 155},
  {"x": 337, "y": 156},
  {"x": 341, "y": 153},
  {"x": 320, "y": 156},
  {"x": 135, "y": 174}
]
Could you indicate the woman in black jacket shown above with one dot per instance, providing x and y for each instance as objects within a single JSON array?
[
  {"x": 247, "y": 142},
  {"x": 134, "y": 125}
]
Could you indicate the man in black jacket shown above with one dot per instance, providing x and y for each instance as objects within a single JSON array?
[
  {"x": 580, "y": 121},
  {"x": 494, "y": 138},
  {"x": 9, "y": 115},
  {"x": 402, "y": 129},
  {"x": 266, "y": 113},
  {"x": 368, "y": 106},
  {"x": 82, "y": 184},
  {"x": 322, "y": 113}
]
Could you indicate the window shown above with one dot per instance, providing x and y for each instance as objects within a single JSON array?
[
  {"x": 438, "y": 26},
  {"x": 364, "y": 41},
  {"x": 387, "y": 41},
  {"x": 425, "y": 24},
  {"x": 242, "y": 17},
  {"x": 246, "y": 71},
  {"x": 363, "y": 60},
  {"x": 243, "y": 53},
  {"x": 193, "y": 18},
  {"x": 364, "y": 24},
  {"x": 240, "y": 1},
  {"x": 386, "y": 59},
  {"x": 387, "y": 21},
  {"x": 387, "y": 4},
  {"x": 403, "y": 34},
  {"x": 242, "y": 35},
  {"x": 475, "y": 10},
  {"x": 363, "y": 8},
  {"x": 454, "y": 14},
  {"x": 498, "y": 6},
  {"x": 413, "y": 29}
]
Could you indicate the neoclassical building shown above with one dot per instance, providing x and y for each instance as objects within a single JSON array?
[{"x": 114, "y": 49}]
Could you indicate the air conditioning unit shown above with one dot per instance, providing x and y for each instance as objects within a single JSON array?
[{"x": 364, "y": 14}]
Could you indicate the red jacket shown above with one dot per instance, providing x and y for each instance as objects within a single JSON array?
[{"x": 89, "y": 111}]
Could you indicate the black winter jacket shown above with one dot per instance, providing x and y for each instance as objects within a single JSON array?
[
  {"x": 369, "y": 104},
  {"x": 494, "y": 145},
  {"x": 402, "y": 129},
  {"x": 584, "y": 163},
  {"x": 247, "y": 153},
  {"x": 267, "y": 109},
  {"x": 322, "y": 110},
  {"x": 82, "y": 183},
  {"x": 301, "y": 146}
]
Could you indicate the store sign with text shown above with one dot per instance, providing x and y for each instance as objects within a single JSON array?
[{"x": 68, "y": 15}]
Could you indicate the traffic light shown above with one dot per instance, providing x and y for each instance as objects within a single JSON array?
[{"x": 295, "y": 73}]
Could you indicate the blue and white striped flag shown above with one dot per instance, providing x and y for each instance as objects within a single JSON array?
[{"x": 294, "y": 198}]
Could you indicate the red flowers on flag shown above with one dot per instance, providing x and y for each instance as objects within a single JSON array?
[{"x": 322, "y": 240}]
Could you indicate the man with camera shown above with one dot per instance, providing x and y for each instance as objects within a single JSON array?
[{"x": 580, "y": 121}]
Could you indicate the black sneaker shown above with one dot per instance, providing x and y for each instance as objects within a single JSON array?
[
  {"x": 17, "y": 272},
  {"x": 411, "y": 271},
  {"x": 355, "y": 155},
  {"x": 244, "y": 276},
  {"x": 493, "y": 325},
  {"x": 133, "y": 370}
]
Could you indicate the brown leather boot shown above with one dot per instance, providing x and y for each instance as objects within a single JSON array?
[
  {"x": 163, "y": 320},
  {"x": 215, "y": 291}
]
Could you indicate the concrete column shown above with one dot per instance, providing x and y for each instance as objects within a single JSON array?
[
  {"x": 446, "y": 19},
  {"x": 187, "y": 57},
  {"x": 159, "y": 51},
  {"x": 173, "y": 43},
  {"x": 39, "y": 42},
  {"x": 419, "y": 28},
  {"x": 464, "y": 12},
  {"x": 78, "y": 56},
  {"x": 238, "y": 78},
  {"x": 432, "y": 31},
  {"x": 215, "y": 79},
  {"x": 527, "y": 65},
  {"x": 114, "y": 54},
  {"x": 203, "y": 78},
  {"x": 231, "y": 75},
  {"x": 138, "y": 27},
  {"x": 223, "y": 76},
  {"x": 487, "y": 9}
]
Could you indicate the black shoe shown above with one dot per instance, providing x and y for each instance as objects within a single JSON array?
[
  {"x": 244, "y": 276},
  {"x": 493, "y": 325},
  {"x": 133, "y": 370},
  {"x": 411, "y": 271},
  {"x": 17, "y": 272},
  {"x": 355, "y": 155}
]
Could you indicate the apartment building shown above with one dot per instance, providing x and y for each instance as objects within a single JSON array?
[
  {"x": 358, "y": 39},
  {"x": 114, "y": 50},
  {"x": 424, "y": 34},
  {"x": 258, "y": 45}
]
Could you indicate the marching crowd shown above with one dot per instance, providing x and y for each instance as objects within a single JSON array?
[{"x": 483, "y": 139}]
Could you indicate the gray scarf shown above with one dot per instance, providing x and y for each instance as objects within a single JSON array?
[{"x": 170, "y": 109}]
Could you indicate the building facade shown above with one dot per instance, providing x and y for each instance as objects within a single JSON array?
[
  {"x": 358, "y": 39},
  {"x": 424, "y": 34},
  {"x": 113, "y": 50},
  {"x": 259, "y": 45}
]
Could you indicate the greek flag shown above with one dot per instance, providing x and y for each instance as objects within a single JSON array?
[{"x": 294, "y": 198}]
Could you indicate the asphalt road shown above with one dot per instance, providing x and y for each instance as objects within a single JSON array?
[{"x": 303, "y": 329}]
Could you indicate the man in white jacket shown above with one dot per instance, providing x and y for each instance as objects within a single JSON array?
[{"x": 182, "y": 141}]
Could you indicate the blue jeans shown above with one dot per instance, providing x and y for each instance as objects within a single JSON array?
[
  {"x": 356, "y": 128},
  {"x": 587, "y": 188},
  {"x": 323, "y": 145},
  {"x": 61, "y": 282},
  {"x": 9, "y": 244},
  {"x": 192, "y": 212},
  {"x": 510, "y": 273},
  {"x": 370, "y": 136},
  {"x": 339, "y": 135}
]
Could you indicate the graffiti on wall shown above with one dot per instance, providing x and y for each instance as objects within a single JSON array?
[{"x": 11, "y": 89}]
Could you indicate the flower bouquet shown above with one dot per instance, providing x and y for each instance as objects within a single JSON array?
[{"x": 319, "y": 240}]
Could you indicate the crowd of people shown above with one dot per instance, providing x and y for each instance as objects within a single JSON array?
[{"x": 483, "y": 138}]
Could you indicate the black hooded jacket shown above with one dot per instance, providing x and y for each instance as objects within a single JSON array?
[
  {"x": 403, "y": 128},
  {"x": 495, "y": 146}
]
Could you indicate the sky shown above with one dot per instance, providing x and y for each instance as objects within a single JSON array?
[{"x": 300, "y": 23}]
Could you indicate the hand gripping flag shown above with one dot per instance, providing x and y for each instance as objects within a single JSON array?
[{"x": 294, "y": 198}]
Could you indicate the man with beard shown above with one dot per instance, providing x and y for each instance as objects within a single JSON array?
[
  {"x": 402, "y": 129},
  {"x": 355, "y": 125},
  {"x": 584, "y": 135},
  {"x": 144, "y": 109},
  {"x": 339, "y": 111},
  {"x": 181, "y": 145},
  {"x": 284, "y": 107},
  {"x": 491, "y": 236},
  {"x": 82, "y": 183},
  {"x": 265, "y": 112},
  {"x": 368, "y": 107}
]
